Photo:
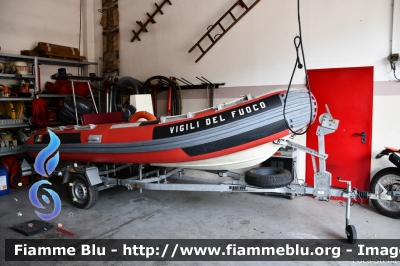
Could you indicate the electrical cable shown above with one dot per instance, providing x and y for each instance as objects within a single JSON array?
[
  {"x": 298, "y": 43},
  {"x": 180, "y": 95},
  {"x": 208, "y": 96},
  {"x": 175, "y": 99},
  {"x": 393, "y": 66},
  {"x": 80, "y": 33},
  {"x": 213, "y": 95}
]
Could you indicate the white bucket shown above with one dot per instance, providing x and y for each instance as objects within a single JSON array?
[{"x": 21, "y": 67}]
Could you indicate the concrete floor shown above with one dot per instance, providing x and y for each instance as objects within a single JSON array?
[{"x": 120, "y": 213}]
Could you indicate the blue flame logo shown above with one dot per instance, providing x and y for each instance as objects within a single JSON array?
[
  {"x": 46, "y": 153},
  {"x": 51, "y": 164}
]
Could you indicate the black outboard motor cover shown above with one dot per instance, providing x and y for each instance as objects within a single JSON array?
[
  {"x": 128, "y": 112},
  {"x": 66, "y": 114}
]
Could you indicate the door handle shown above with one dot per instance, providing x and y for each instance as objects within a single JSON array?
[{"x": 363, "y": 136}]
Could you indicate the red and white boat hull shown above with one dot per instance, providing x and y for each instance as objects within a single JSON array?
[{"x": 230, "y": 136}]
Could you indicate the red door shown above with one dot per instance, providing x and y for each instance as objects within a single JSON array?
[{"x": 349, "y": 95}]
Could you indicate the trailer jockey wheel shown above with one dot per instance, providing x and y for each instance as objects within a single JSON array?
[
  {"x": 82, "y": 194},
  {"x": 351, "y": 234}
]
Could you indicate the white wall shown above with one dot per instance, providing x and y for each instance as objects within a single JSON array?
[
  {"x": 259, "y": 49},
  {"x": 385, "y": 126},
  {"x": 396, "y": 27},
  {"x": 24, "y": 23},
  {"x": 92, "y": 39}
]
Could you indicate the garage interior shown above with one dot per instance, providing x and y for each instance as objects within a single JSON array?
[{"x": 343, "y": 52}]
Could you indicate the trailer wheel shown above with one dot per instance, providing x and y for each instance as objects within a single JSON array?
[
  {"x": 351, "y": 234},
  {"x": 268, "y": 177},
  {"x": 82, "y": 194},
  {"x": 389, "y": 178}
]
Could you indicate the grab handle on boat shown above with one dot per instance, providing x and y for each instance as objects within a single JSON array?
[{"x": 90, "y": 126}]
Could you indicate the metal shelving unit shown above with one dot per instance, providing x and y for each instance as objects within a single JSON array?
[
  {"x": 16, "y": 99},
  {"x": 45, "y": 95},
  {"x": 60, "y": 62},
  {"x": 15, "y": 125},
  {"x": 36, "y": 61},
  {"x": 4, "y": 151},
  {"x": 14, "y": 76},
  {"x": 12, "y": 152},
  {"x": 14, "y": 57},
  {"x": 44, "y": 60}
]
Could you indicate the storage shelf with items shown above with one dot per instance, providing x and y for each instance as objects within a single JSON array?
[
  {"x": 15, "y": 76},
  {"x": 81, "y": 65},
  {"x": 13, "y": 118},
  {"x": 35, "y": 61},
  {"x": 15, "y": 99},
  {"x": 48, "y": 95},
  {"x": 4, "y": 151},
  {"x": 20, "y": 93},
  {"x": 17, "y": 124},
  {"x": 12, "y": 124},
  {"x": 14, "y": 67},
  {"x": 9, "y": 143}
]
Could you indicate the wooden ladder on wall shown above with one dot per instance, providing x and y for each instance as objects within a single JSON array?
[
  {"x": 218, "y": 23},
  {"x": 149, "y": 20}
]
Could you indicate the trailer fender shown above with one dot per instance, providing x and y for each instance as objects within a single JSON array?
[{"x": 91, "y": 174}]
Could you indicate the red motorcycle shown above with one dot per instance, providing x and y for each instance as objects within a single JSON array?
[{"x": 387, "y": 182}]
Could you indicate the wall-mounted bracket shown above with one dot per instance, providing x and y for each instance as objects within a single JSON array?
[{"x": 205, "y": 83}]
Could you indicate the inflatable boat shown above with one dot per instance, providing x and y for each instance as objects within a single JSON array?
[{"x": 232, "y": 135}]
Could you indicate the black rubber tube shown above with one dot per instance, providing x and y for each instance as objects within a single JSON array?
[
  {"x": 175, "y": 108},
  {"x": 124, "y": 83}
]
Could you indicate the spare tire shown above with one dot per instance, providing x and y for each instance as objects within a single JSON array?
[{"x": 268, "y": 177}]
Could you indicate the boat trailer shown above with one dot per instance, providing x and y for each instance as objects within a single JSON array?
[{"x": 86, "y": 180}]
